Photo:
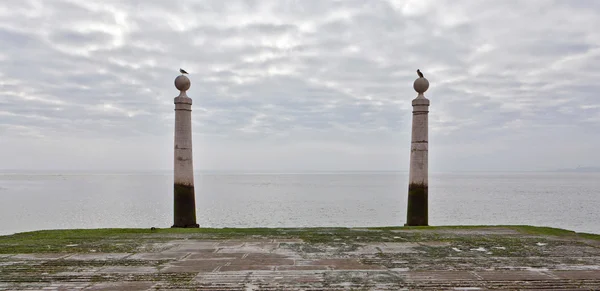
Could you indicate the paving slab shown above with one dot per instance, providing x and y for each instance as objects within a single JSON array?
[
  {"x": 262, "y": 262},
  {"x": 43, "y": 256},
  {"x": 189, "y": 251},
  {"x": 248, "y": 247},
  {"x": 440, "y": 275},
  {"x": 577, "y": 275},
  {"x": 128, "y": 270},
  {"x": 188, "y": 266},
  {"x": 434, "y": 243},
  {"x": 54, "y": 286},
  {"x": 121, "y": 286},
  {"x": 80, "y": 272},
  {"x": 264, "y": 278},
  {"x": 302, "y": 268},
  {"x": 230, "y": 244},
  {"x": 196, "y": 243},
  {"x": 253, "y": 240},
  {"x": 99, "y": 256},
  {"x": 343, "y": 264},
  {"x": 227, "y": 268},
  {"x": 512, "y": 275},
  {"x": 265, "y": 256},
  {"x": 220, "y": 256},
  {"x": 158, "y": 256},
  {"x": 287, "y": 240},
  {"x": 399, "y": 247},
  {"x": 188, "y": 246}
]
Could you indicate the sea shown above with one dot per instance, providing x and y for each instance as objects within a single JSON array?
[{"x": 32, "y": 201}]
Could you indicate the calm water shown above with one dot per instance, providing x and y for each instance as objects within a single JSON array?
[{"x": 52, "y": 201}]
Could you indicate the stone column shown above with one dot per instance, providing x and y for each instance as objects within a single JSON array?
[
  {"x": 417, "y": 182},
  {"x": 184, "y": 195}
]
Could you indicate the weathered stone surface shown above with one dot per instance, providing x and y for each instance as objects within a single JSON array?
[
  {"x": 54, "y": 286},
  {"x": 188, "y": 249},
  {"x": 262, "y": 261},
  {"x": 195, "y": 265},
  {"x": 189, "y": 246},
  {"x": 158, "y": 256},
  {"x": 264, "y": 256},
  {"x": 302, "y": 268},
  {"x": 577, "y": 275},
  {"x": 184, "y": 206},
  {"x": 400, "y": 247},
  {"x": 242, "y": 267},
  {"x": 40, "y": 256},
  {"x": 230, "y": 244},
  {"x": 292, "y": 280},
  {"x": 439, "y": 275},
  {"x": 344, "y": 264},
  {"x": 207, "y": 256},
  {"x": 417, "y": 205},
  {"x": 441, "y": 259},
  {"x": 121, "y": 286},
  {"x": 128, "y": 270},
  {"x": 195, "y": 243},
  {"x": 513, "y": 275},
  {"x": 99, "y": 256},
  {"x": 287, "y": 240}
]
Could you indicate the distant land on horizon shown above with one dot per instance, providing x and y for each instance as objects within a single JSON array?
[{"x": 580, "y": 170}]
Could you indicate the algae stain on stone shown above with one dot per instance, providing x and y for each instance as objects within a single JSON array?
[
  {"x": 184, "y": 206},
  {"x": 417, "y": 214}
]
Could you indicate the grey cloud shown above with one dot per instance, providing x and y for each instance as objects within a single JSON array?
[
  {"x": 271, "y": 76},
  {"x": 75, "y": 39}
]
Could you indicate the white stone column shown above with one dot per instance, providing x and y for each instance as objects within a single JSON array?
[
  {"x": 184, "y": 194},
  {"x": 417, "y": 212}
]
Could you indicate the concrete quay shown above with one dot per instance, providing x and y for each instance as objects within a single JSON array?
[{"x": 402, "y": 258}]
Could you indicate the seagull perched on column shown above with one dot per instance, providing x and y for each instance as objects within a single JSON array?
[
  {"x": 419, "y": 73},
  {"x": 182, "y": 71}
]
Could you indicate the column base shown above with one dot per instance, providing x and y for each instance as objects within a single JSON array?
[
  {"x": 186, "y": 226},
  {"x": 417, "y": 212},
  {"x": 184, "y": 207}
]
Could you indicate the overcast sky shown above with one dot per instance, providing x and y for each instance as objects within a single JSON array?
[{"x": 299, "y": 85}]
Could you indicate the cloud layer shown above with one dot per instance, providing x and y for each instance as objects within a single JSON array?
[{"x": 299, "y": 85}]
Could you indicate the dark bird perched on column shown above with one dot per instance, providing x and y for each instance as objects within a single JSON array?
[
  {"x": 182, "y": 71},
  {"x": 419, "y": 73}
]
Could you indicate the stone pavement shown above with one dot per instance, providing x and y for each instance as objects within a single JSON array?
[{"x": 402, "y": 260}]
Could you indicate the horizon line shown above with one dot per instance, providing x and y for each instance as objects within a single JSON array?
[{"x": 266, "y": 171}]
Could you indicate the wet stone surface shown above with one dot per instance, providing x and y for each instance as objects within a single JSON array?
[{"x": 326, "y": 259}]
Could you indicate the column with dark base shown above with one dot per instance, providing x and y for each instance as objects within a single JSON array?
[
  {"x": 417, "y": 182},
  {"x": 184, "y": 194}
]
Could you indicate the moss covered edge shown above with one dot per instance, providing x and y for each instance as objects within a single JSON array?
[{"x": 129, "y": 239}]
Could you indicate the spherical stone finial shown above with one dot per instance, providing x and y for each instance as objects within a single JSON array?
[
  {"x": 182, "y": 83},
  {"x": 421, "y": 85}
]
